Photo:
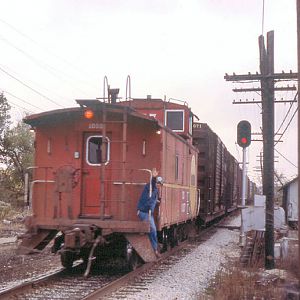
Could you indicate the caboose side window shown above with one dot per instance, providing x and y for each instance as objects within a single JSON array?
[
  {"x": 174, "y": 119},
  {"x": 97, "y": 150}
]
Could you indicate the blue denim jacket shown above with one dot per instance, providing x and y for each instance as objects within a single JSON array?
[{"x": 147, "y": 203}]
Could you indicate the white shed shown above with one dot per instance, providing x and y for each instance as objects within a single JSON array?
[{"x": 290, "y": 201}]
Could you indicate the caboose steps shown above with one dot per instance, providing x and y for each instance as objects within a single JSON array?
[
  {"x": 142, "y": 245},
  {"x": 35, "y": 242}
]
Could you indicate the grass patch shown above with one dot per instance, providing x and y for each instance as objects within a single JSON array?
[
  {"x": 6, "y": 210},
  {"x": 235, "y": 282}
]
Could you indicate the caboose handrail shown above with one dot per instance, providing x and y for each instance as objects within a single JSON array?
[
  {"x": 178, "y": 100},
  {"x": 26, "y": 183},
  {"x": 150, "y": 185},
  {"x": 128, "y": 88},
  {"x": 33, "y": 183}
]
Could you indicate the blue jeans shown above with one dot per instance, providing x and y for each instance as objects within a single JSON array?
[{"x": 152, "y": 234}]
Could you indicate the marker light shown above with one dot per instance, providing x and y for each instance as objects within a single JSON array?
[{"x": 88, "y": 114}]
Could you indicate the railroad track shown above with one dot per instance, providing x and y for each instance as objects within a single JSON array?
[
  {"x": 63, "y": 285},
  {"x": 139, "y": 279},
  {"x": 110, "y": 283},
  {"x": 101, "y": 283}
]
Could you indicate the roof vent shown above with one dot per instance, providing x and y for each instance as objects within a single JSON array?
[
  {"x": 113, "y": 95},
  {"x": 148, "y": 97}
]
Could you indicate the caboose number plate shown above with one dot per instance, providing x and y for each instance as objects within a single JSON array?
[{"x": 95, "y": 126}]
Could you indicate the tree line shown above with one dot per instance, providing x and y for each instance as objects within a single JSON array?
[{"x": 16, "y": 155}]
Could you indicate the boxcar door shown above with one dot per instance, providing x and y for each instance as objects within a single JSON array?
[{"x": 94, "y": 186}]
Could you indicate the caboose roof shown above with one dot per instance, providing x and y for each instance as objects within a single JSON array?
[{"x": 77, "y": 112}]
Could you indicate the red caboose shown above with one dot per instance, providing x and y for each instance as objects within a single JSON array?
[{"x": 91, "y": 164}]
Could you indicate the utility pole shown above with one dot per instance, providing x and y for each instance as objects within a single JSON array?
[
  {"x": 298, "y": 45},
  {"x": 267, "y": 79},
  {"x": 267, "y": 95}
]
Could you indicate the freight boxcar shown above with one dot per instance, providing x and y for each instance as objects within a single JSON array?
[
  {"x": 91, "y": 164},
  {"x": 219, "y": 174}
]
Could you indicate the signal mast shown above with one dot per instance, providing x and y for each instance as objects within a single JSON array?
[{"x": 243, "y": 140}]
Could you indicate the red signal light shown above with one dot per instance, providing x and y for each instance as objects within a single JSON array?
[
  {"x": 88, "y": 114},
  {"x": 244, "y": 140}
]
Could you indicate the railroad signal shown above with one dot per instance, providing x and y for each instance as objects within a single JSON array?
[{"x": 244, "y": 134}]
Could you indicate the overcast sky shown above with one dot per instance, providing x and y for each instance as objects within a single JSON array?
[{"x": 55, "y": 51}]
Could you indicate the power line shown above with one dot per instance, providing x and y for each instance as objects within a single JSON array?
[
  {"x": 6, "y": 92},
  {"x": 46, "y": 49},
  {"x": 26, "y": 85},
  {"x": 287, "y": 126},
  {"x": 18, "y": 106},
  {"x": 53, "y": 71},
  {"x": 286, "y": 114},
  {"x": 286, "y": 159},
  {"x": 37, "y": 85}
]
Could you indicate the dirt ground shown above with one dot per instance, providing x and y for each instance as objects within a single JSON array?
[{"x": 16, "y": 269}]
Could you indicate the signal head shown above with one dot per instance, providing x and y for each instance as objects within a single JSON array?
[{"x": 244, "y": 133}]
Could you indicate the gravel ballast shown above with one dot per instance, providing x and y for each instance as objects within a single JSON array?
[{"x": 189, "y": 278}]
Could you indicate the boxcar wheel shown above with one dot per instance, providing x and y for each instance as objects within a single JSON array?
[
  {"x": 165, "y": 241},
  {"x": 173, "y": 237},
  {"x": 67, "y": 259}
]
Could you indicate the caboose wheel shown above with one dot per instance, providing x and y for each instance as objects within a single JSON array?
[
  {"x": 134, "y": 261},
  {"x": 67, "y": 259}
]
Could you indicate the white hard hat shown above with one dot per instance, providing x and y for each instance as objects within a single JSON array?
[{"x": 159, "y": 180}]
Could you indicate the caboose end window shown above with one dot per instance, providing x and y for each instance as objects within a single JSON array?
[
  {"x": 174, "y": 119},
  {"x": 97, "y": 151}
]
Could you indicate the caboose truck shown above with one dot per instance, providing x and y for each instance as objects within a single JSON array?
[{"x": 91, "y": 163}]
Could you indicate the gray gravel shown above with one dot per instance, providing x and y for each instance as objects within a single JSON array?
[{"x": 189, "y": 278}]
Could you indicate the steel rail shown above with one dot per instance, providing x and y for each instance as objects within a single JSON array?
[{"x": 26, "y": 286}]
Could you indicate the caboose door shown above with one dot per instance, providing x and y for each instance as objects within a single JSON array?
[{"x": 96, "y": 153}]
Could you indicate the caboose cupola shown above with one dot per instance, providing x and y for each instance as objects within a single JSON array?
[{"x": 176, "y": 116}]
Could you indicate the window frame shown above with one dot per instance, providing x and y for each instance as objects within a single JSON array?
[
  {"x": 87, "y": 150},
  {"x": 191, "y": 122},
  {"x": 183, "y": 119}
]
